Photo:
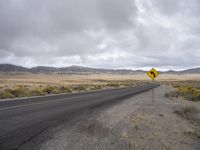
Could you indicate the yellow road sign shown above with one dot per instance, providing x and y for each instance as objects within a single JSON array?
[{"x": 153, "y": 73}]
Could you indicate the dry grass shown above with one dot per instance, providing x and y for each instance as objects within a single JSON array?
[
  {"x": 178, "y": 77},
  {"x": 189, "y": 112},
  {"x": 60, "y": 79},
  {"x": 192, "y": 114},
  {"x": 23, "y": 85},
  {"x": 190, "y": 90}
]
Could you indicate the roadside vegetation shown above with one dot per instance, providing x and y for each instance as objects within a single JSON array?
[
  {"x": 190, "y": 90},
  {"x": 192, "y": 114},
  {"x": 28, "y": 90}
]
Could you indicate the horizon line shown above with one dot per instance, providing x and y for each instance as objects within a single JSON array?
[{"x": 196, "y": 67}]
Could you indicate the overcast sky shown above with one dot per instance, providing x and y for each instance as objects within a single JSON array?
[{"x": 137, "y": 34}]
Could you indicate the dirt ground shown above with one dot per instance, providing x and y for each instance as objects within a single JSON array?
[
  {"x": 133, "y": 124},
  {"x": 62, "y": 79}
]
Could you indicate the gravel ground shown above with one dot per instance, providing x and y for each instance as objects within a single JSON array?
[{"x": 135, "y": 123}]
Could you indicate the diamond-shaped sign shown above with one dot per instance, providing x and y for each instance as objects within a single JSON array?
[{"x": 153, "y": 73}]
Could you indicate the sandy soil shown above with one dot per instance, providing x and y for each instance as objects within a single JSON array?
[
  {"x": 56, "y": 79},
  {"x": 135, "y": 123}
]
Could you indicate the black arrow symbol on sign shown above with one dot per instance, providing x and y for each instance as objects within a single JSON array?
[{"x": 153, "y": 74}]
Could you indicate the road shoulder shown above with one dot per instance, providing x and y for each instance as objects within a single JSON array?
[{"x": 135, "y": 123}]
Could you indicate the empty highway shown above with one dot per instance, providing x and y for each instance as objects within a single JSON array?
[{"x": 23, "y": 120}]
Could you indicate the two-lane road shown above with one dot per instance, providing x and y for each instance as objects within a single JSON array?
[{"x": 24, "y": 119}]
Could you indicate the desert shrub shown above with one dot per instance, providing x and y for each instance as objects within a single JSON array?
[
  {"x": 189, "y": 112},
  {"x": 128, "y": 83},
  {"x": 190, "y": 93},
  {"x": 167, "y": 95},
  {"x": 6, "y": 94},
  {"x": 171, "y": 94},
  {"x": 56, "y": 91},
  {"x": 96, "y": 87},
  {"x": 37, "y": 92},
  {"x": 80, "y": 88},
  {"x": 188, "y": 90},
  {"x": 19, "y": 92},
  {"x": 112, "y": 84},
  {"x": 49, "y": 89},
  {"x": 64, "y": 89},
  {"x": 192, "y": 114},
  {"x": 197, "y": 132}
]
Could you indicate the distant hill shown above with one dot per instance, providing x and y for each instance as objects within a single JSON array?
[
  {"x": 188, "y": 71},
  {"x": 12, "y": 68},
  {"x": 9, "y": 68},
  {"x": 192, "y": 71},
  {"x": 73, "y": 69},
  {"x": 42, "y": 69},
  {"x": 64, "y": 70}
]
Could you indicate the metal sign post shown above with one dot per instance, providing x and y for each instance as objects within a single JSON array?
[
  {"x": 153, "y": 92},
  {"x": 153, "y": 73}
]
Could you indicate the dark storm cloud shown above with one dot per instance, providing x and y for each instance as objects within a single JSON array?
[
  {"x": 28, "y": 23},
  {"x": 100, "y": 33}
]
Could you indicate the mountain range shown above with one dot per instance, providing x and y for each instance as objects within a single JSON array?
[{"x": 10, "y": 68}]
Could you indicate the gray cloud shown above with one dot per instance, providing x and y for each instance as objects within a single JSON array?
[{"x": 101, "y": 33}]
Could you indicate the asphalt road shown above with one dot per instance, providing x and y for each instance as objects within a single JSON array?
[{"x": 23, "y": 120}]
